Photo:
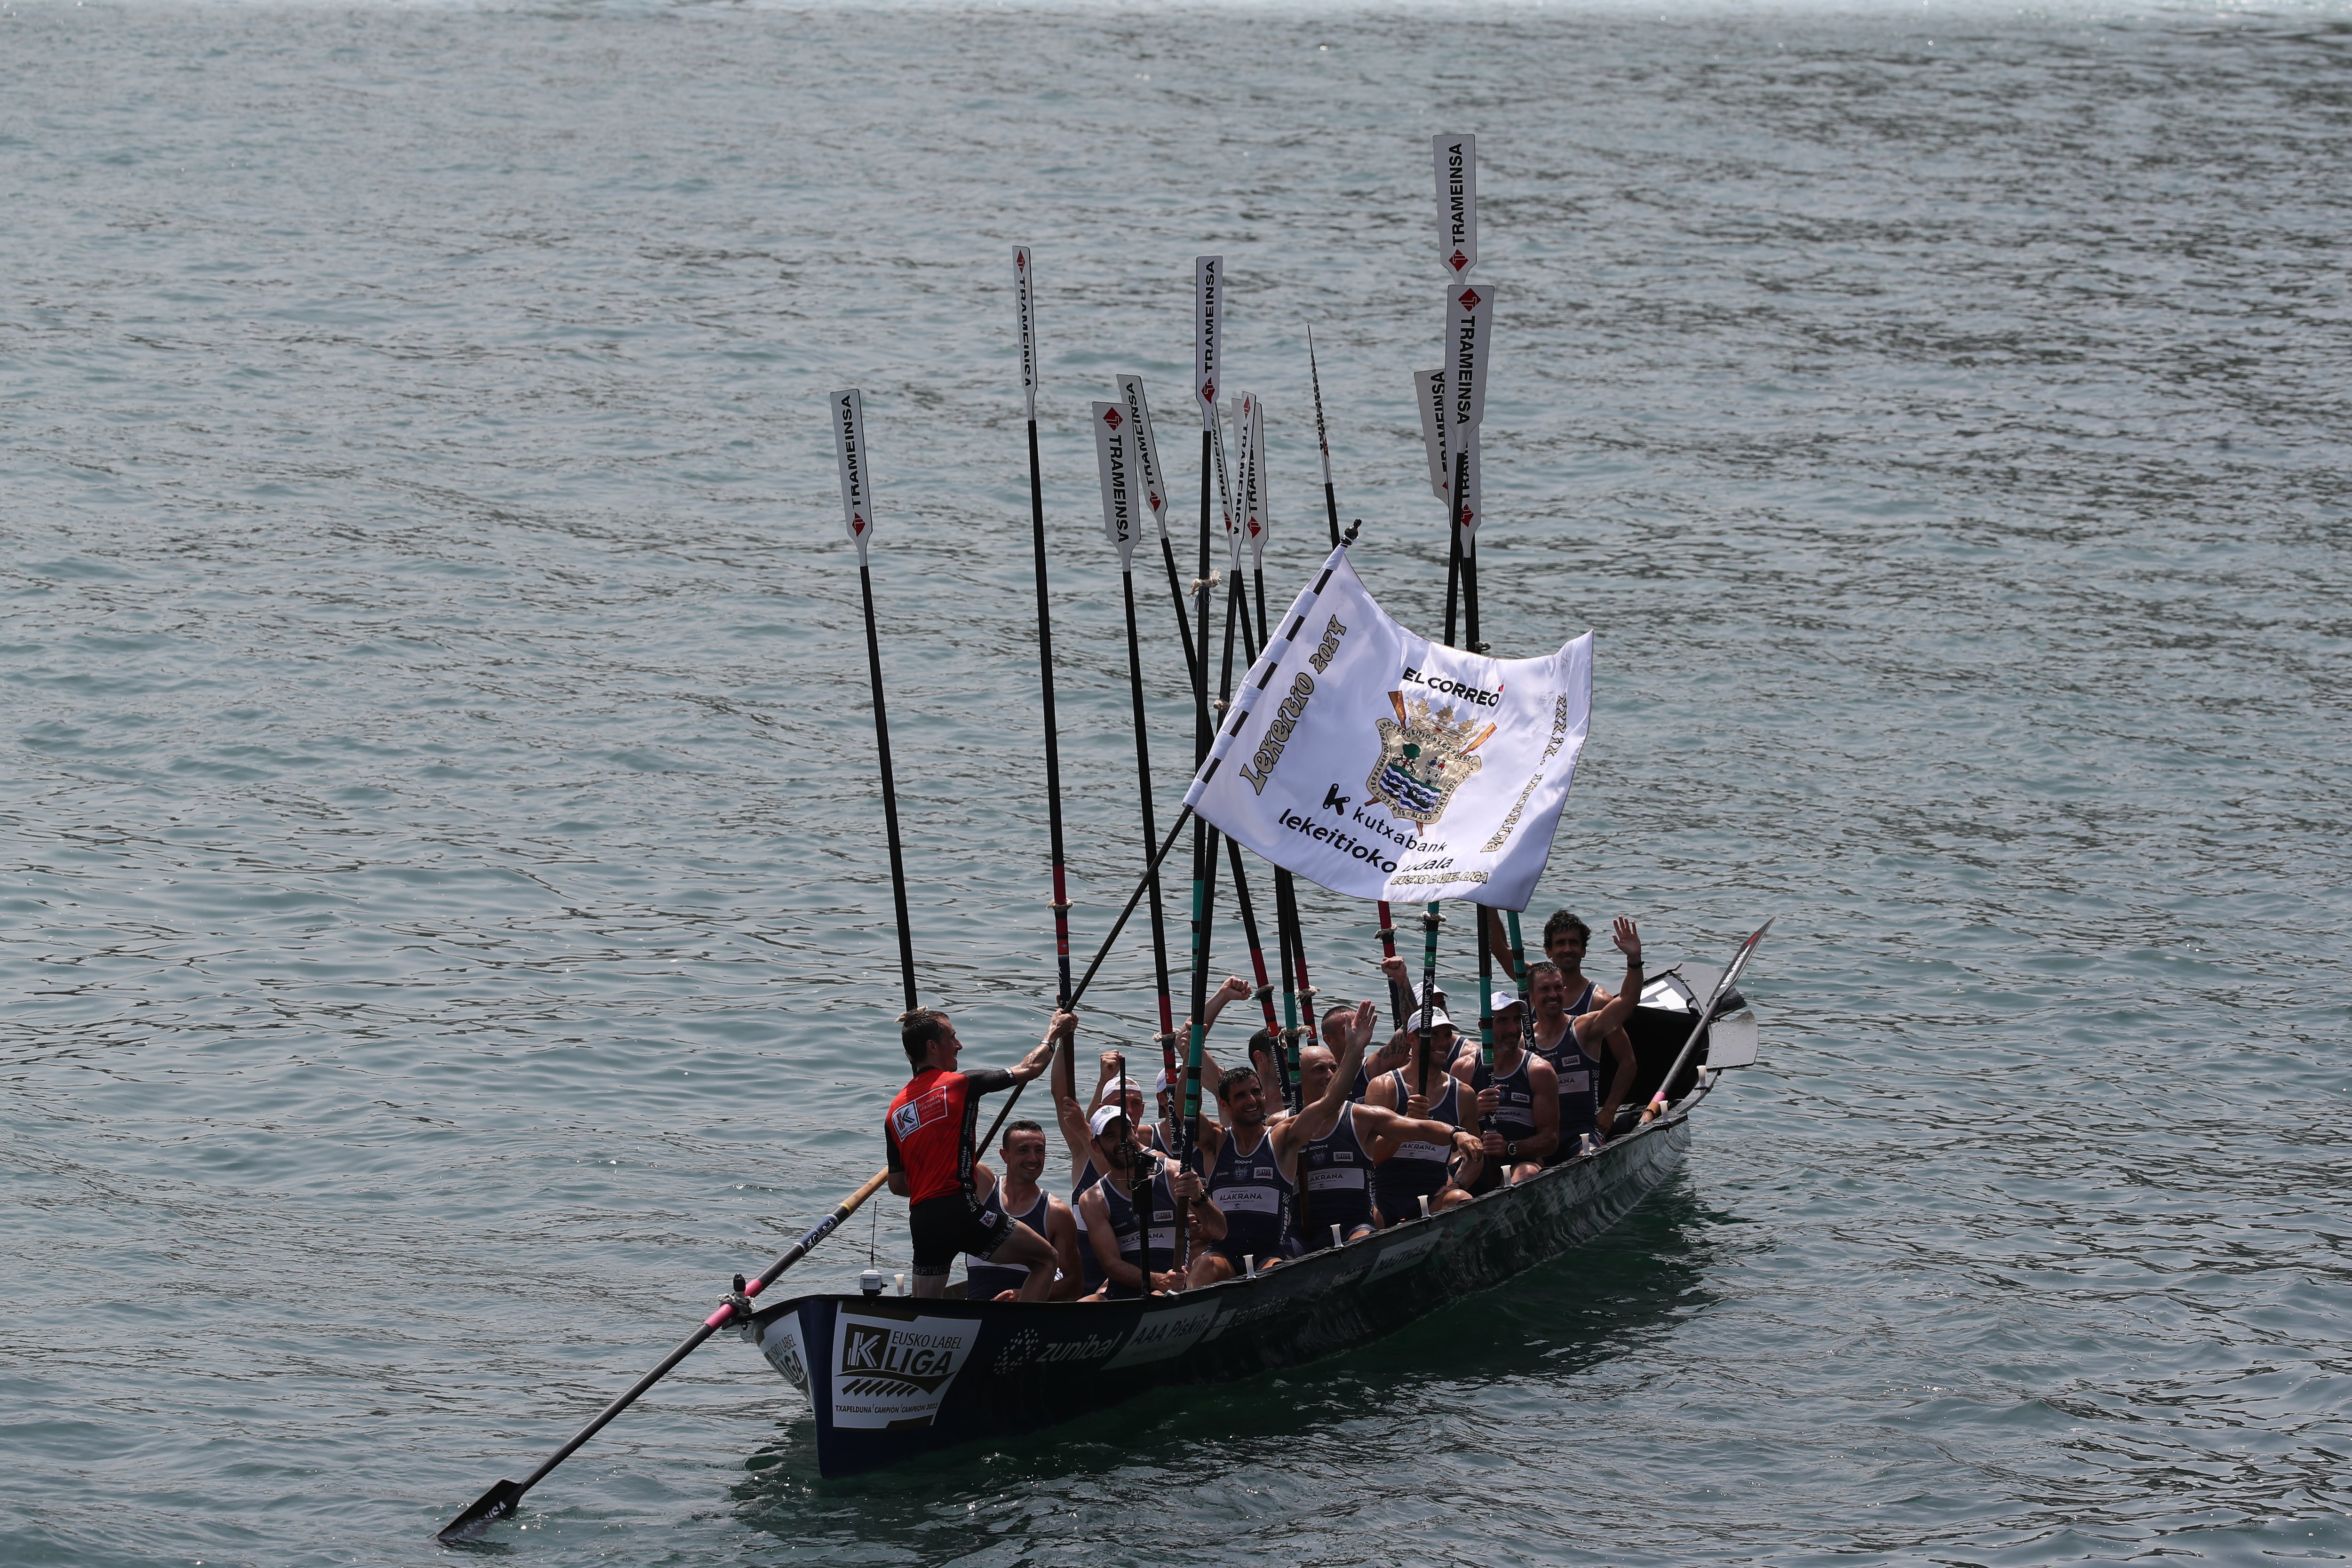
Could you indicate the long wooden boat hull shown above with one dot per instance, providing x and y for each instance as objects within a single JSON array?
[{"x": 891, "y": 1377}]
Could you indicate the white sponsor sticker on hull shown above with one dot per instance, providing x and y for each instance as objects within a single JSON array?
[
  {"x": 779, "y": 1341},
  {"x": 892, "y": 1371},
  {"x": 1167, "y": 1332}
]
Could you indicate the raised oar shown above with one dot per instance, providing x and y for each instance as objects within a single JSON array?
[
  {"x": 1388, "y": 950},
  {"x": 858, "y": 508},
  {"x": 504, "y": 1498},
  {"x": 1707, "y": 1015},
  {"x": 1119, "y": 443},
  {"x": 1518, "y": 956},
  {"x": 1155, "y": 491},
  {"x": 1024, "y": 293},
  {"x": 1323, "y": 441},
  {"x": 1208, "y": 294},
  {"x": 1289, "y": 944}
]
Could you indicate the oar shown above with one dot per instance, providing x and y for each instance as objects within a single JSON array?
[
  {"x": 1323, "y": 440},
  {"x": 1120, "y": 521},
  {"x": 504, "y": 1498},
  {"x": 1707, "y": 1015},
  {"x": 857, "y": 507},
  {"x": 1026, "y": 297}
]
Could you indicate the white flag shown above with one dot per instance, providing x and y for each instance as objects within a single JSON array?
[
  {"x": 1147, "y": 452},
  {"x": 1457, "y": 203},
  {"x": 1022, "y": 299},
  {"x": 857, "y": 484},
  {"x": 1383, "y": 765},
  {"x": 1208, "y": 299},
  {"x": 1111, "y": 448},
  {"x": 1428, "y": 387}
]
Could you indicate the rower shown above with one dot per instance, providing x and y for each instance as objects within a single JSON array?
[
  {"x": 1084, "y": 1171},
  {"x": 1337, "y": 1162},
  {"x": 1120, "y": 1253},
  {"x": 1566, "y": 938},
  {"x": 928, "y": 1136},
  {"x": 1573, "y": 1043},
  {"x": 1420, "y": 1167},
  {"x": 1518, "y": 1099},
  {"x": 1019, "y": 1195}
]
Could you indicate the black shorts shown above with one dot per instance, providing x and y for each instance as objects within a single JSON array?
[{"x": 945, "y": 1226}]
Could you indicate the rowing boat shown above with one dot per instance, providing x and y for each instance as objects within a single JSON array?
[{"x": 892, "y": 1377}]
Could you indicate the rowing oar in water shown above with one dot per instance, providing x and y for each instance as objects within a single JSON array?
[
  {"x": 1657, "y": 1105},
  {"x": 1025, "y": 298},
  {"x": 504, "y": 1498},
  {"x": 858, "y": 508}
]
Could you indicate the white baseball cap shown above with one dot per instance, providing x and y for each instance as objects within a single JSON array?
[
  {"x": 1437, "y": 1018},
  {"x": 1504, "y": 997},
  {"x": 1160, "y": 1084},
  {"x": 1104, "y": 1116}
]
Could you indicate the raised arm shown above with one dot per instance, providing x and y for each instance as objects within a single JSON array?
[
  {"x": 1065, "y": 1026},
  {"x": 1068, "y": 1113},
  {"x": 1234, "y": 989},
  {"x": 1317, "y": 1120},
  {"x": 1597, "y": 1024}
]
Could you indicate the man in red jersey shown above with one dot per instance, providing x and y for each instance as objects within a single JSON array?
[{"x": 929, "y": 1136}]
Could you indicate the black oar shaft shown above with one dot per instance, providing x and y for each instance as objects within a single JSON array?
[
  {"x": 1143, "y": 800},
  {"x": 889, "y": 792},
  {"x": 502, "y": 1499},
  {"x": 1053, "y": 735}
]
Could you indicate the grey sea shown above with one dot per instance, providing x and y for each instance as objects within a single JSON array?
[{"x": 447, "y": 919}]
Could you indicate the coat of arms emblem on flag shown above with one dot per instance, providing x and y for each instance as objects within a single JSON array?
[{"x": 1425, "y": 755}]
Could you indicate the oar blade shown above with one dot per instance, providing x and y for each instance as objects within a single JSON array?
[{"x": 490, "y": 1507}]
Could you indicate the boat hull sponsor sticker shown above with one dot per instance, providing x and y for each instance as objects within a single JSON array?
[
  {"x": 1403, "y": 1255},
  {"x": 781, "y": 1344},
  {"x": 893, "y": 1372},
  {"x": 1164, "y": 1334}
]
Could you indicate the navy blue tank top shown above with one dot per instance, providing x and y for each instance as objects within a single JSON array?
[
  {"x": 1337, "y": 1175},
  {"x": 1515, "y": 1100},
  {"x": 1256, "y": 1197},
  {"x": 983, "y": 1279},
  {"x": 1417, "y": 1170},
  {"x": 1162, "y": 1253},
  {"x": 1579, "y": 1078}
]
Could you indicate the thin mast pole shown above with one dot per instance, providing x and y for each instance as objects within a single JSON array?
[{"x": 1204, "y": 862}]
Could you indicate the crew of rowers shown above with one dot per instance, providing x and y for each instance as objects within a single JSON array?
[{"x": 1422, "y": 1124}]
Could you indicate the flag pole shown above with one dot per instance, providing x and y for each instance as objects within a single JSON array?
[
  {"x": 857, "y": 511},
  {"x": 1323, "y": 441},
  {"x": 1025, "y": 291}
]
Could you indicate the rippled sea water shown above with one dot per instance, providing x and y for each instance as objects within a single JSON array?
[{"x": 446, "y": 924}]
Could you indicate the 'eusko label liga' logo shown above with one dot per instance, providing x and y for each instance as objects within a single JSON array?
[
  {"x": 890, "y": 1372},
  {"x": 1425, "y": 756}
]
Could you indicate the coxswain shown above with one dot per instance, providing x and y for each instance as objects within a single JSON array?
[
  {"x": 1339, "y": 1158},
  {"x": 1019, "y": 1195},
  {"x": 1574, "y": 1043},
  {"x": 928, "y": 1136},
  {"x": 1119, "y": 1254},
  {"x": 1518, "y": 1099},
  {"x": 1420, "y": 1167}
]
